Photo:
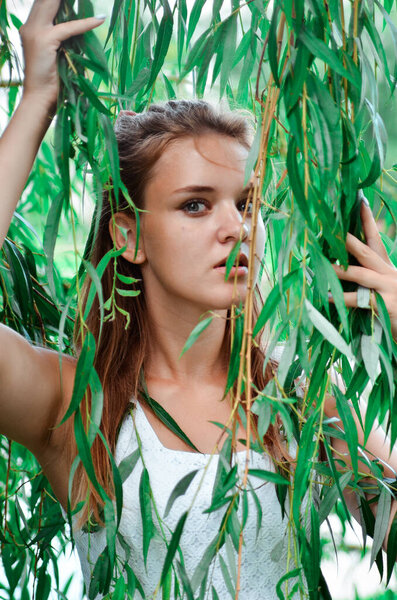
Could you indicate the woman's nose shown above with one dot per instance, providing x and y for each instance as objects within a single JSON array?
[{"x": 231, "y": 226}]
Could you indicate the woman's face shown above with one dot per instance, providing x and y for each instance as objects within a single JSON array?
[{"x": 195, "y": 202}]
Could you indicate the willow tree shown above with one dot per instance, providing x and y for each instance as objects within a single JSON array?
[{"x": 310, "y": 73}]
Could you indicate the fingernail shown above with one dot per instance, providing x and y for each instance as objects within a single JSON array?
[
  {"x": 100, "y": 17},
  {"x": 363, "y": 198}
]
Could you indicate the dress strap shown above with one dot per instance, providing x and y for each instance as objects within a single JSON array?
[{"x": 144, "y": 428}]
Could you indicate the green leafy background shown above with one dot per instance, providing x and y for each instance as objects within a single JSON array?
[{"x": 334, "y": 116}]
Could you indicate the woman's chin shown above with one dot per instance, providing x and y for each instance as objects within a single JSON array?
[{"x": 235, "y": 299}]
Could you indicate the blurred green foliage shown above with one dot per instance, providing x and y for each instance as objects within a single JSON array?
[{"x": 330, "y": 69}]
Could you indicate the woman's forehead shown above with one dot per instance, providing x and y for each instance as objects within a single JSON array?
[{"x": 208, "y": 157}]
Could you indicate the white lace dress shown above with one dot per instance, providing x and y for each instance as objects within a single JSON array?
[{"x": 264, "y": 552}]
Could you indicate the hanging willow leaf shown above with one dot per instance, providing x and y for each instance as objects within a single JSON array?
[
  {"x": 228, "y": 42},
  {"x": 172, "y": 548},
  {"x": 194, "y": 19},
  {"x": 391, "y": 550},
  {"x": 50, "y": 236},
  {"x": 145, "y": 503},
  {"x": 167, "y": 419},
  {"x": 179, "y": 490},
  {"x": 162, "y": 44},
  {"x": 332, "y": 495},
  {"x": 327, "y": 330},
  {"x": 348, "y": 425},
  {"x": 381, "y": 522},
  {"x": 197, "y": 331},
  {"x": 83, "y": 372},
  {"x": 128, "y": 463},
  {"x": 318, "y": 101},
  {"x": 268, "y": 476},
  {"x": 319, "y": 49}
]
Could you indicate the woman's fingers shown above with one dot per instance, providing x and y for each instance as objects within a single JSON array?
[
  {"x": 351, "y": 300},
  {"x": 371, "y": 233},
  {"x": 63, "y": 31},
  {"x": 363, "y": 276},
  {"x": 43, "y": 12},
  {"x": 41, "y": 40},
  {"x": 367, "y": 256}
]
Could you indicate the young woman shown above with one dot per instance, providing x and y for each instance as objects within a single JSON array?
[{"x": 184, "y": 164}]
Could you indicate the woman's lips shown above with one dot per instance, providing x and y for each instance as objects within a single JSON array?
[{"x": 241, "y": 270}]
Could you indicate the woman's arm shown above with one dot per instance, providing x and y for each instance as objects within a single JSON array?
[
  {"x": 33, "y": 391},
  {"x": 375, "y": 272},
  {"x": 21, "y": 140},
  {"x": 377, "y": 446}
]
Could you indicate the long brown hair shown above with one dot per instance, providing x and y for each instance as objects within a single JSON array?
[{"x": 121, "y": 352}]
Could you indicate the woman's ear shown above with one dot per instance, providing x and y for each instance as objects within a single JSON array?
[{"x": 122, "y": 229}]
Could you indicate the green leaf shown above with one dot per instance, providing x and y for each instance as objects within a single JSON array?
[
  {"x": 145, "y": 502},
  {"x": 295, "y": 179},
  {"x": 273, "y": 300},
  {"x": 332, "y": 495},
  {"x": 126, "y": 279},
  {"x": 320, "y": 50},
  {"x": 20, "y": 280},
  {"x": 117, "y": 5},
  {"x": 179, "y": 490},
  {"x": 111, "y": 152},
  {"x": 119, "y": 590},
  {"x": 172, "y": 548},
  {"x": 381, "y": 522},
  {"x": 100, "y": 575},
  {"x": 128, "y": 463},
  {"x": 284, "y": 578},
  {"x": 226, "y": 577},
  {"x": 128, "y": 293},
  {"x": 182, "y": 18},
  {"x": 268, "y": 476},
  {"x": 315, "y": 547},
  {"x": 197, "y": 331},
  {"x": 234, "y": 362},
  {"x": 50, "y": 237},
  {"x": 62, "y": 147},
  {"x": 272, "y": 46},
  {"x": 203, "y": 566},
  {"x": 231, "y": 259},
  {"x": 370, "y": 354},
  {"x": 88, "y": 89},
  {"x": 85, "y": 453},
  {"x": 83, "y": 372},
  {"x": 168, "y": 421},
  {"x": 228, "y": 42},
  {"x": 194, "y": 19},
  {"x": 327, "y": 330},
  {"x": 349, "y": 426},
  {"x": 187, "y": 588},
  {"x": 195, "y": 53},
  {"x": 162, "y": 44},
  {"x": 391, "y": 550}
]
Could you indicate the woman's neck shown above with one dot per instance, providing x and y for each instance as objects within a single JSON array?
[{"x": 170, "y": 328}]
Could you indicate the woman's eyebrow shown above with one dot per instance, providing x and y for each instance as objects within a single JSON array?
[{"x": 195, "y": 189}]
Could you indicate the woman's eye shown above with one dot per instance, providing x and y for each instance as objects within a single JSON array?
[
  {"x": 195, "y": 207},
  {"x": 241, "y": 206}
]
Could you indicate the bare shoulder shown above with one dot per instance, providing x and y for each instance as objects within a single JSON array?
[{"x": 36, "y": 387}]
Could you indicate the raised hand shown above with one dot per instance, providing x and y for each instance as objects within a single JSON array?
[
  {"x": 376, "y": 271},
  {"x": 41, "y": 40}
]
